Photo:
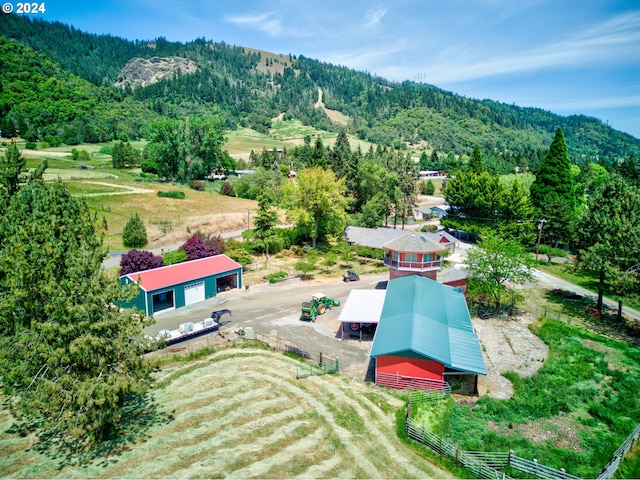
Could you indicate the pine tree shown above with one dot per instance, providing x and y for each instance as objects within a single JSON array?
[{"x": 69, "y": 358}]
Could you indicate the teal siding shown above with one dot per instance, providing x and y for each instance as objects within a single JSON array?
[
  {"x": 136, "y": 302},
  {"x": 210, "y": 287}
]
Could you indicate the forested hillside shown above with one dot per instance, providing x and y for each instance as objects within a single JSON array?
[{"x": 230, "y": 81}]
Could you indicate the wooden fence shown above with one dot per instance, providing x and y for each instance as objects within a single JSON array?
[{"x": 618, "y": 455}]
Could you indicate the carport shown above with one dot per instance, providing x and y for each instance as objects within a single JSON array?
[{"x": 361, "y": 313}]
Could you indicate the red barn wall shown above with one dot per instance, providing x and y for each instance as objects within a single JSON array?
[{"x": 410, "y": 367}]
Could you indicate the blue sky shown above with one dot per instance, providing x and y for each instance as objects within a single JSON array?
[{"x": 567, "y": 56}]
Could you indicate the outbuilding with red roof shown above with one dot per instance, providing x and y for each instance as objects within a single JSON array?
[{"x": 183, "y": 284}]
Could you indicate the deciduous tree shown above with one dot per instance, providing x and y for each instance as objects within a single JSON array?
[
  {"x": 494, "y": 263},
  {"x": 317, "y": 203},
  {"x": 138, "y": 261}
]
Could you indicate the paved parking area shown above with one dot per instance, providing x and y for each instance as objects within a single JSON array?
[{"x": 275, "y": 310}]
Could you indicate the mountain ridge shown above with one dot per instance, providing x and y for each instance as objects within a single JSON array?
[{"x": 250, "y": 87}]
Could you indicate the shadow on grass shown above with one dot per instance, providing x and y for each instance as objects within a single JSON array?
[
  {"x": 580, "y": 311},
  {"x": 139, "y": 415}
]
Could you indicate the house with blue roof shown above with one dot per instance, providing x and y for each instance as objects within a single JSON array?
[{"x": 425, "y": 338}]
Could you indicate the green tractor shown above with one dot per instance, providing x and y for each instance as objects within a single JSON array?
[{"x": 317, "y": 306}]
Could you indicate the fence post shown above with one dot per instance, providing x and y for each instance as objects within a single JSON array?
[
  {"x": 510, "y": 457},
  {"x": 562, "y": 474},
  {"x": 457, "y": 462},
  {"x": 535, "y": 466}
]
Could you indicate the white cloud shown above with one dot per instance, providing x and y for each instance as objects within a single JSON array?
[
  {"x": 616, "y": 38},
  {"x": 267, "y": 22},
  {"x": 597, "y": 103},
  {"x": 373, "y": 17}
]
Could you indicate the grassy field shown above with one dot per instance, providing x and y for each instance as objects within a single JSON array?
[{"x": 241, "y": 413}]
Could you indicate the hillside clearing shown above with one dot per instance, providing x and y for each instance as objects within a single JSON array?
[{"x": 241, "y": 414}]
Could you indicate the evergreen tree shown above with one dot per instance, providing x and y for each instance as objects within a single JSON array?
[
  {"x": 607, "y": 233},
  {"x": 476, "y": 163},
  {"x": 12, "y": 169},
  {"x": 70, "y": 360},
  {"x": 123, "y": 155},
  {"x": 134, "y": 234},
  {"x": 553, "y": 191}
]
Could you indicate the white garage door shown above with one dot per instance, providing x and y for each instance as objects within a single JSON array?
[{"x": 194, "y": 293}]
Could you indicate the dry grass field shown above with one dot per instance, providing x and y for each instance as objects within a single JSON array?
[{"x": 241, "y": 413}]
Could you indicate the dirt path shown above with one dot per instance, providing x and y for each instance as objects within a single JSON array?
[{"x": 126, "y": 190}]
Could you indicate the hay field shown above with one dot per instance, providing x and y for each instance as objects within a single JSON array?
[{"x": 241, "y": 413}]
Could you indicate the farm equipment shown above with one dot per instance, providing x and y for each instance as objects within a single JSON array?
[{"x": 317, "y": 306}]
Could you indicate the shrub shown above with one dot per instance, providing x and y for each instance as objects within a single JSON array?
[
  {"x": 30, "y": 145},
  {"x": 197, "y": 185},
  {"x": 195, "y": 248},
  {"x": 172, "y": 194},
  {"x": 276, "y": 277},
  {"x": 227, "y": 189},
  {"x": 149, "y": 166},
  {"x": 213, "y": 241},
  {"x": 138, "y": 261},
  {"x": 134, "y": 234},
  {"x": 175, "y": 256},
  {"x": 429, "y": 228}
]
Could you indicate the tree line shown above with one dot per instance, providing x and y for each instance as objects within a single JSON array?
[{"x": 229, "y": 84}]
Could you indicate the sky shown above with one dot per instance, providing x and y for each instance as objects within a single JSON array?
[{"x": 566, "y": 56}]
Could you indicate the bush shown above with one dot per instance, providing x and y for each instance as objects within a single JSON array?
[
  {"x": 175, "y": 256},
  {"x": 429, "y": 228},
  {"x": 197, "y": 185},
  {"x": 149, "y": 166},
  {"x": 227, "y": 189},
  {"x": 30, "y": 145},
  {"x": 276, "y": 277},
  {"x": 134, "y": 234},
  {"x": 139, "y": 261},
  {"x": 196, "y": 248},
  {"x": 172, "y": 194}
]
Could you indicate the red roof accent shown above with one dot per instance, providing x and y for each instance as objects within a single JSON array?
[{"x": 183, "y": 272}]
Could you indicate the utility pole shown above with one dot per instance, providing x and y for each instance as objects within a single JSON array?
[
  {"x": 248, "y": 217},
  {"x": 541, "y": 223}
]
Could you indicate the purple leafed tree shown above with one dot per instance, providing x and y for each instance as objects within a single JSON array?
[
  {"x": 138, "y": 261},
  {"x": 197, "y": 248}
]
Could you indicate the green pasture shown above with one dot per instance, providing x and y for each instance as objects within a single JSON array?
[{"x": 573, "y": 414}]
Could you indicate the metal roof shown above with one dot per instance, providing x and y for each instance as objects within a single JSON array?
[
  {"x": 422, "y": 316},
  {"x": 414, "y": 242},
  {"x": 183, "y": 272},
  {"x": 363, "y": 306}
]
